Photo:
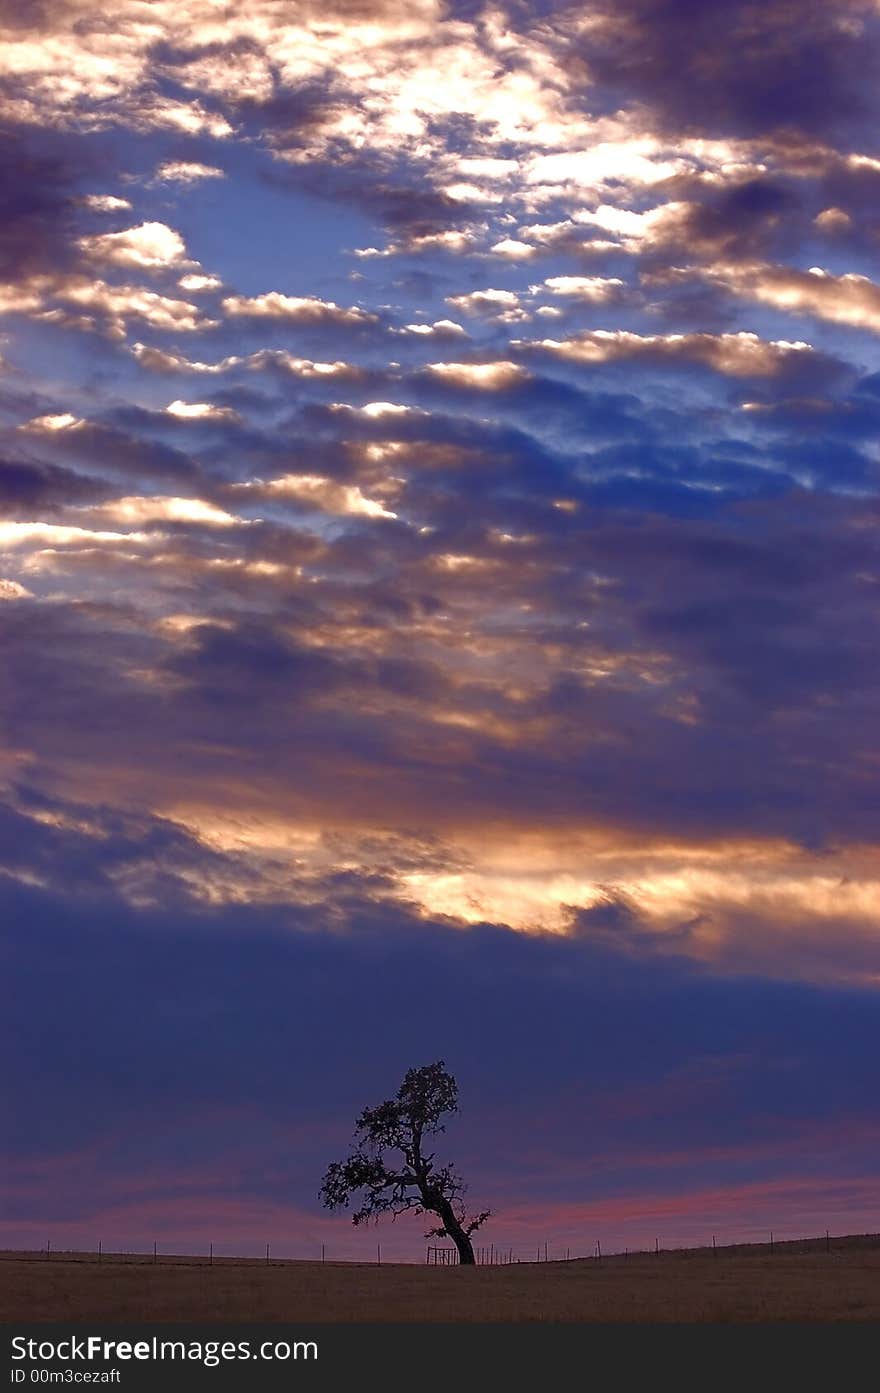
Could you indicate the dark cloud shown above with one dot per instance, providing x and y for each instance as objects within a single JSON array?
[
  {"x": 741, "y": 70},
  {"x": 124, "y": 454},
  {"x": 37, "y": 183},
  {"x": 26, "y": 485}
]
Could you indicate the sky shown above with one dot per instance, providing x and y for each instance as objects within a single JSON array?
[{"x": 438, "y": 590}]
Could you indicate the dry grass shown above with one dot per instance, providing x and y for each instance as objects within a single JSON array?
[{"x": 739, "y": 1285}]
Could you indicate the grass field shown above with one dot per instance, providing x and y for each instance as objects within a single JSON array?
[{"x": 796, "y": 1282}]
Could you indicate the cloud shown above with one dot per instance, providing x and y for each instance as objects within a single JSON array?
[
  {"x": 263, "y": 359},
  {"x": 444, "y": 328},
  {"x": 149, "y": 246},
  {"x": 304, "y": 309},
  {"x": 111, "y": 306},
  {"x": 159, "y": 360},
  {"x": 373, "y": 409},
  {"x": 832, "y": 220},
  {"x": 105, "y": 447},
  {"x": 193, "y": 281},
  {"x": 63, "y": 420},
  {"x": 16, "y": 534},
  {"x": 200, "y": 411},
  {"x": 150, "y": 112},
  {"x": 38, "y": 178},
  {"x": 633, "y": 161},
  {"x": 737, "y": 355},
  {"x": 503, "y": 305},
  {"x": 26, "y": 485},
  {"x": 592, "y": 289},
  {"x": 305, "y": 367},
  {"x": 97, "y": 305},
  {"x": 137, "y": 511},
  {"x": 485, "y": 377},
  {"x": 315, "y": 491},
  {"x": 509, "y": 246},
  {"x": 850, "y": 298},
  {"x": 699, "y": 74},
  {"x": 12, "y": 590},
  {"x": 187, "y": 172},
  {"x": 105, "y": 203}
]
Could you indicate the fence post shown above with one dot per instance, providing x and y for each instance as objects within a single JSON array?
[
  {"x": 598, "y": 1249},
  {"x": 656, "y": 1245},
  {"x": 545, "y": 1252},
  {"x": 714, "y": 1249},
  {"x": 99, "y": 1250},
  {"x": 154, "y": 1250},
  {"x": 211, "y": 1256},
  {"x": 827, "y": 1242},
  {"x": 771, "y": 1240},
  {"x": 379, "y": 1254},
  {"x": 267, "y": 1254},
  {"x": 322, "y": 1252},
  {"x": 48, "y": 1246}
]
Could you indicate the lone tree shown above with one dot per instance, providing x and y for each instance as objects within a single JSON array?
[{"x": 409, "y": 1180}]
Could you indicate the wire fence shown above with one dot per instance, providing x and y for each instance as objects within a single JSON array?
[{"x": 491, "y": 1255}]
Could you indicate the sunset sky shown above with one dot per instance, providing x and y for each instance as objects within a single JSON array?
[{"x": 439, "y": 591}]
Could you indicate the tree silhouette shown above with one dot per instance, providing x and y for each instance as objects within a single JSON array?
[{"x": 388, "y": 1185}]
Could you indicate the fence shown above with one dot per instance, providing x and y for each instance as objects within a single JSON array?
[
  {"x": 493, "y": 1255},
  {"x": 484, "y": 1257}
]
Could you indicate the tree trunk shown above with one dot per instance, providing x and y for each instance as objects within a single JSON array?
[
  {"x": 455, "y": 1231},
  {"x": 463, "y": 1244}
]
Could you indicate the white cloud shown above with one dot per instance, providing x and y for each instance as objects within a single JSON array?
[
  {"x": 833, "y": 220},
  {"x": 635, "y": 231},
  {"x": 317, "y": 491},
  {"x": 118, "y": 303},
  {"x": 303, "y": 367},
  {"x": 200, "y": 411},
  {"x": 447, "y": 327},
  {"x": 736, "y": 355},
  {"x": 105, "y": 203},
  {"x": 151, "y": 245},
  {"x": 65, "y": 420},
  {"x": 187, "y": 172},
  {"x": 377, "y": 408},
  {"x": 304, "y": 308},
  {"x": 14, "y": 534},
  {"x": 137, "y": 510},
  {"x": 638, "y": 160},
  {"x": 196, "y": 282},
  {"x": 848, "y": 299},
  {"x": 503, "y": 305},
  {"x": 24, "y": 298},
  {"x": 11, "y": 590},
  {"x": 508, "y": 246},
  {"x": 596, "y": 289},
  {"x": 159, "y": 361},
  {"x": 485, "y": 377}
]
